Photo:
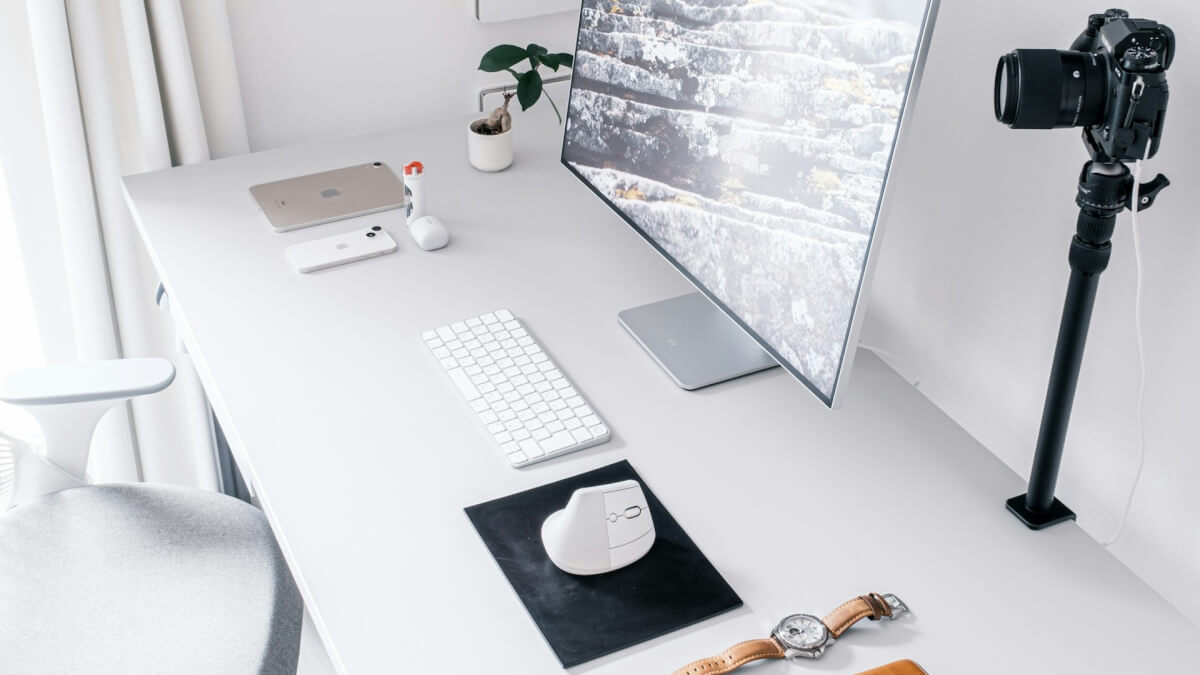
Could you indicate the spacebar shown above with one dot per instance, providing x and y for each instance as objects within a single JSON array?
[{"x": 464, "y": 384}]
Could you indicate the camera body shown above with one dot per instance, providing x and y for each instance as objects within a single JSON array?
[{"x": 1112, "y": 82}]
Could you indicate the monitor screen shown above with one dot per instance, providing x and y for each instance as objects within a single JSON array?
[{"x": 749, "y": 141}]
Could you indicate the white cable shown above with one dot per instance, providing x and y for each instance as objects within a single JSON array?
[{"x": 1137, "y": 319}]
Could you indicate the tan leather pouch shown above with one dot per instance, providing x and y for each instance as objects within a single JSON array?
[{"x": 904, "y": 667}]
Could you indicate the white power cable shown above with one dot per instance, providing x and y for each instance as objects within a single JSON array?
[{"x": 1137, "y": 314}]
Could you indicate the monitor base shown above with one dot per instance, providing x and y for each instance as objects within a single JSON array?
[{"x": 694, "y": 341}]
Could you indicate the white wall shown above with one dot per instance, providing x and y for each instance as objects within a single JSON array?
[
  {"x": 973, "y": 273},
  {"x": 972, "y": 276},
  {"x": 311, "y": 69}
]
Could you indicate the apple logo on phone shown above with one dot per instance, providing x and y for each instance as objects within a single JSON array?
[
  {"x": 329, "y": 193},
  {"x": 343, "y": 246}
]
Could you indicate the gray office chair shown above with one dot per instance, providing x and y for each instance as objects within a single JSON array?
[{"x": 129, "y": 578}]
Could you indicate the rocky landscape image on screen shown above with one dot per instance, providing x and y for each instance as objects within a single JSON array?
[{"x": 750, "y": 140}]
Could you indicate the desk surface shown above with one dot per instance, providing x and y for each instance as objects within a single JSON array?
[{"x": 364, "y": 457}]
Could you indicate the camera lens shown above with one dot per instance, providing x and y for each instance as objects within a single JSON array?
[
  {"x": 1050, "y": 88},
  {"x": 376, "y": 228},
  {"x": 377, "y": 164},
  {"x": 370, "y": 234}
]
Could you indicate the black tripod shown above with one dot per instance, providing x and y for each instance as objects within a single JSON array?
[{"x": 1105, "y": 189}]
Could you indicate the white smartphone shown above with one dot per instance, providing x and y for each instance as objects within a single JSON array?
[{"x": 340, "y": 249}]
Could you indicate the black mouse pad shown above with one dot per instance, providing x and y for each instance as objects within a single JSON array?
[{"x": 586, "y": 617}]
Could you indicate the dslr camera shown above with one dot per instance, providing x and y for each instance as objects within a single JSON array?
[{"x": 1112, "y": 82}]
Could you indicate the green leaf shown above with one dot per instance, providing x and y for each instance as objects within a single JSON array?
[
  {"x": 549, "y": 59},
  {"x": 502, "y": 57},
  {"x": 529, "y": 89},
  {"x": 534, "y": 52},
  {"x": 566, "y": 59}
]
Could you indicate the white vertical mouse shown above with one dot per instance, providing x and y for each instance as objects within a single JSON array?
[{"x": 602, "y": 528}]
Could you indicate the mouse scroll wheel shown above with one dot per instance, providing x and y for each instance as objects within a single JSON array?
[{"x": 633, "y": 512}]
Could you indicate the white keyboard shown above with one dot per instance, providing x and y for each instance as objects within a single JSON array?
[{"x": 523, "y": 400}]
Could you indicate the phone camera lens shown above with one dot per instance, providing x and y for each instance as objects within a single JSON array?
[
  {"x": 377, "y": 164},
  {"x": 370, "y": 234},
  {"x": 376, "y": 228}
]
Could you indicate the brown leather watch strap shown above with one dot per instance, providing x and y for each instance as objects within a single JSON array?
[
  {"x": 904, "y": 667},
  {"x": 735, "y": 656},
  {"x": 871, "y": 606}
]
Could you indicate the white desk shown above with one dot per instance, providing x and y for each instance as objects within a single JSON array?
[{"x": 364, "y": 457}]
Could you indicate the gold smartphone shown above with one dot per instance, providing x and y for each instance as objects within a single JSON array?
[{"x": 293, "y": 203}]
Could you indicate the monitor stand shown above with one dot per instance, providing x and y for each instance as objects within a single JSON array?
[{"x": 694, "y": 341}]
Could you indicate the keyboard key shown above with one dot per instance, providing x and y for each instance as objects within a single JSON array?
[
  {"x": 591, "y": 420},
  {"x": 540, "y": 434},
  {"x": 479, "y": 405},
  {"x": 465, "y": 386},
  {"x": 445, "y": 333},
  {"x": 474, "y": 321},
  {"x": 558, "y": 441},
  {"x": 572, "y": 424},
  {"x": 509, "y": 447},
  {"x": 458, "y": 327},
  {"x": 504, "y": 437},
  {"x": 429, "y": 335},
  {"x": 581, "y": 435},
  {"x": 598, "y": 430},
  {"x": 504, "y": 315},
  {"x": 518, "y": 458},
  {"x": 488, "y": 318},
  {"x": 488, "y": 417},
  {"x": 441, "y": 352},
  {"x": 574, "y": 401},
  {"x": 532, "y": 448}
]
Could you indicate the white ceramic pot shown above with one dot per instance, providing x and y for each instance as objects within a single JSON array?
[{"x": 489, "y": 153}]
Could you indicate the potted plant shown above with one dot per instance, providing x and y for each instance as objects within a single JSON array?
[{"x": 489, "y": 140}]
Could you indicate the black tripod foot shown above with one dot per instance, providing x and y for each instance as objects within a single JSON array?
[{"x": 1040, "y": 520}]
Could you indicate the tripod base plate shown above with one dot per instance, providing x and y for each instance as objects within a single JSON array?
[{"x": 1040, "y": 520}]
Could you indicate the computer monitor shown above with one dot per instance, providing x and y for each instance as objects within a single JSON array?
[{"x": 750, "y": 144}]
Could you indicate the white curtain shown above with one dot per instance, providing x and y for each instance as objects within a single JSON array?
[{"x": 125, "y": 87}]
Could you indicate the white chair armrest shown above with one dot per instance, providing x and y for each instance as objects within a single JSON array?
[
  {"x": 68, "y": 400},
  {"x": 85, "y": 382}
]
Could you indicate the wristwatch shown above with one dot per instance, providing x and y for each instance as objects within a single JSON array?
[{"x": 800, "y": 635}]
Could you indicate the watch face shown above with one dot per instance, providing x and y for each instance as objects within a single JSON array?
[{"x": 802, "y": 631}]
